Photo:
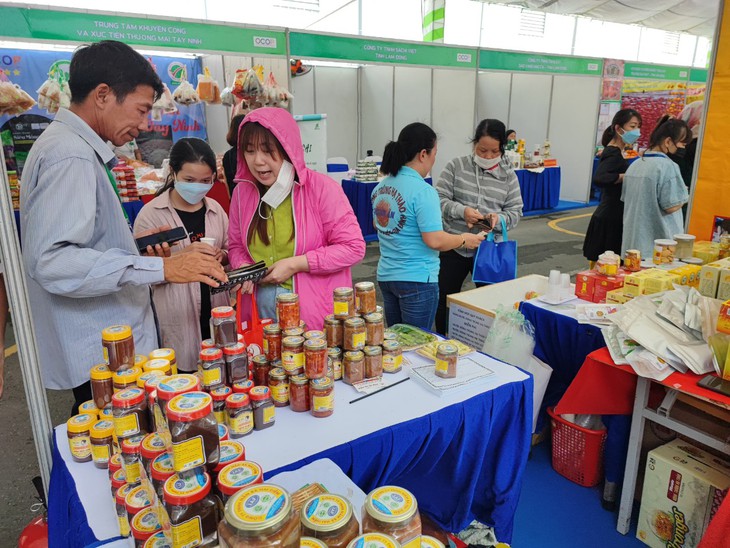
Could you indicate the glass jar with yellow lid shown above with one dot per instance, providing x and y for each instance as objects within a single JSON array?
[
  {"x": 118, "y": 344},
  {"x": 393, "y": 511},
  {"x": 102, "y": 386},
  {"x": 329, "y": 518},
  {"x": 126, "y": 378}
]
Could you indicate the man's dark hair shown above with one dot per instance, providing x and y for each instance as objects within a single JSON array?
[{"x": 112, "y": 63}]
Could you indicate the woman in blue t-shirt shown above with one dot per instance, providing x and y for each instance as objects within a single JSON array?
[{"x": 407, "y": 215}]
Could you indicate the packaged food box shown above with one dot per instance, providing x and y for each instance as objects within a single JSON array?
[
  {"x": 659, "y": 281},
  {"x": 604, "y": 284},
  {"x": 710, "y": 277},
  {"x": 617, "y": 296},
  {"x": 723, "y": 319},
  {"x": 584, "y": 284},
  {"x": 683, "y": 488},
  {"x": 707, "y": 251},
  {"x": 723, "y": 283}
]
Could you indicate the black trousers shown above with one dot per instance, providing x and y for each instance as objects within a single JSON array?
[
  {"x": 81, "y": 393},
  {"x": 454, "y": 270}
]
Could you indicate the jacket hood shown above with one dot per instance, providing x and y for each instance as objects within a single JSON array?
[{"x": 286, "y": 131}]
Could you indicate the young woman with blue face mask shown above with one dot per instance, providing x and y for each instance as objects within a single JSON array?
[
  {"x": 606, "y": 227},
  {"x": 183, "y": 310}
]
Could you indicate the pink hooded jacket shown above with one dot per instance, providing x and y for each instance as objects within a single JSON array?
[{"x": 326, "y": 229}]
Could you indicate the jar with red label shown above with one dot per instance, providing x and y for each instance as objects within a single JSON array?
[
  {"x": 279, "y": 386},
  {"x": 224, "y": 326},
  {"x": 152, "y": 446},
  {"x": 126, "y": 378},
  {"x": 137, "y": 500},
  {"x": 207, "y": 343},
  {"x": 102, "y": 386},
  {"x": 322, "y": 397},
  {"x": 166, "y": 354},
  {"x": 353, "y": 367},
  {"x": 392, "y": 357},
  {"x": 299, "y": 393},
  {"x": 79, "y": 439},
  {"x": 447, "y": 356},
  {"x": 393, "y": 511},
  {"x": 292, "y": 355},
  {"x": 272, "y": 341},
  {"x": 333, "y": 331},
  {"x": 239, "y": 414},
  {"x": 373, "y": 361},
  {"x": 144, "y": 525},
  {"x": 212, "y": 368},
  {"x": 160, "y": 470},
  {"x": 237, "y": 475},
  {"x": 118, "y": 345},
  {"x": 260, "y": 516},
  {"x": 315, "y": 358},
  {"x": 260, "y": 370},
  {"x": 219, "y": 395},
  {"x": 344, "y": 303},
  {"x": 287, "y": 310},
  {"x": 375, "y": 329},
  {"x": 244, "y": 387},
  {"x": 236, "y": 362},
  {"x": 193, "y": 431},
  {"x": 121, "y": 508},
  {"x": 355, "y": 334},
  {"x": 193, "y": 510},
  {"x": 231, "y": 451},
  {"x": 264, "y": 411},
  {"x": 365, "y": 299},
  {"x": 130, "y": 413},
  {"x": 132, "y": 459},
  {"x": 115, "y": 464},
  {"x": 101, "y": 434},
  {"x": 329, "y": 518},
  {"x": 117, "y": 479},
  {"x": 334, "y": 359}
]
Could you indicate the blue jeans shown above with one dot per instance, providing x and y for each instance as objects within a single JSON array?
[
  {"x": 266, "y": 300},
  {"x": 412, "y": 303}
]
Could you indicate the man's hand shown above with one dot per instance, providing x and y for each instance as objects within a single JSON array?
[
  {"x": 160, "y": 250},
  {"x": 282, "y": 270},
  {"x": 194, "y": 266},
  {"x": 472, "y": 216}
]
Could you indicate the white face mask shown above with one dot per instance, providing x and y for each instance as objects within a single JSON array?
[
  {"x": 281, "y": 188},
  {"x": 484, "y": 163}
]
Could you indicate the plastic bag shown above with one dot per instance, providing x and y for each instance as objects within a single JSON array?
[
  {"x": 185, "y": 94},
  {"x": 511, "y": 338},
  {"x": 208, "y": 89},
  {"x": 13, "y": 100},
  {"x": 227, "y": 97},
  {"x": 275, "y": 95},
  {"x": 55, "y": 93}
]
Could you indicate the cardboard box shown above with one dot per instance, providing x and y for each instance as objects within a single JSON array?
[
  {"x": 710, "y": 277},
  {"x": 707, "y": 251},
  {"x": 660, "y": 280},
  {"x": 683, "y": 488},
  {"x": 604, "y": 284},
  {"x": 585, "y": 283},
  {"x": 617, "y": 296},
  {"x": 723, "y": 284}
]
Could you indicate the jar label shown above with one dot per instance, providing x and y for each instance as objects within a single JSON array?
[
  {"x": 230, "y": 451},
  {"x": 139, "y": 498},
  {"x": 188, "y": 533},
  {"x": 188, "y": 454},
  {"x": 164, "y": 519},
  {"x": 189, "y": 403},
  {"x": 266, "y": 345},
  {"x": 146, "y": 521},
  {"x": 280, "y": 393},
  {"x": 241, "y": 475},
  {"x": 124, "y": 529},
  {"x": 269, "y": 414},
  {"x": 323, "y": 403},
  {"x": 342, "y": 308},
  {"x": 357, "y": 302},
  {"x": 392, "y": 501},
  {"x": 163, "y": 463},
  {"x": 292, "y": 360},
  {"x": 392, "y": 363},
  {"x": 260, "y": 504},
  {"x": 80, "y": 447},
  {"x": 358, "y": 340},
  {"x": 442, "y": 366},
  {"x": 126, "y": 426},
  {"x": 105, "y": 351},
  {"x": 243, "y": 422},
  {"x": 374, "y": 540},
  {"x": 100, "y": 453},
  {"x": 133, "y": 472},
  {"x": 212, "y": 376},
  {"x": 153, "y": 442},
  {"x": 220, "y": 416},
  {"x": 415, "y": 543},
  {"x": 308, "y": 542},
  {"x": 337, "y": 369},
  {"x": 326, "y": 510}
]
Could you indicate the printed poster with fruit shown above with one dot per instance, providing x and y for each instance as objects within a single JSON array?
[{"x": 653, "y": 99}]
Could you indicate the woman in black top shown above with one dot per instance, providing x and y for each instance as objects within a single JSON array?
[
  {"x": 606, "y": 227},
  {"x": 230, "y": 160}
]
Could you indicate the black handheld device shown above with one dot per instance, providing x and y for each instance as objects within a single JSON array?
[
  {"x": 716, "y": 384},
  {"x": 168, "y": 236}
]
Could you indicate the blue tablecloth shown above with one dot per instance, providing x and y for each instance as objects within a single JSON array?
[
  {"x": 539, "y": 190},
  {"x": 359, "y": 196},
  {"x": 133, "y": 209}
]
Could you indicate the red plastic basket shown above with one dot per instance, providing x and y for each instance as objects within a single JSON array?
[{"x": 577, "y": 452}]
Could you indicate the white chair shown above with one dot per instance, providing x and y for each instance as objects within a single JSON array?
[{"x": 337, "y": 168}]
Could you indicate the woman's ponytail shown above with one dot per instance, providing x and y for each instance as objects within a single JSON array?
[
  {"x": 411, "y": 141},
  {"x": 394, "y": 158}
]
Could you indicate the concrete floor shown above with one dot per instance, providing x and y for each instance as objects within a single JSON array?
[{"x": 541, "y": 248}]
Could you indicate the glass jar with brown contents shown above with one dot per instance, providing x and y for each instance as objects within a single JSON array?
[
  {"x": 355, "y": 334},
  {"x": 121, "y": 508},
  {"x": 322, "y": 397},
  {"x": 260, "y": 516},
  {"x": 272, "y": 341},
  {"x": 279, "y": 386},
  {"x": 102, "y": 386},
  {"x": 329, "y": 518},
  {"x": 393, "y": 511},
  {"x": 231, "y": 451},
  {"x": 236, "y": 476},
  {"x": 236, "y": 357},
  {"x": 373, "y": 361},
  {"x": 287, "y": 310},
  {"x": 239, "y": 415},
  {"x": 130, "y": 413},
  {"x": 315, "y": 358},
  {"x": 167, "y": 354},
  {"x": 79, "y": 440},
  {"x": 378, "y": 540},
  {"x": 344, "y": 303},
  {"x": 244, "y": 387},
  {"x": 223, "y": 319},
  {"x": 144, "y": 525},
  {"x": 365, "y": 300},
  {"x": 126, "y": 378},
  {"x": 102, "y": 442},
  {"x": 392, "y": 357},
  {"x": 334, "y": 357},
  {"x": 161, "y": 365},
  {"x": 153, "y": 445},
  {"x": 132, "y": 460},
  {"x": 261, "y": 369},
  {"x": 193, "y": 432},
  {"x": 118, "y": 345},
  {"x": 299, "y": 393},
  {"x": 212, "y": 367},
  {"x": 333, "y": 331},
  {"x": 219, "y": 395},
  {"x": 194, "y": 512},
  {"x": 375, "y": 328},
  {"x": 292, "y": 355},
  {"x": 353, "y": 367},
  {"x": 447, "y": 356},
  {"x": 264, "y": 411}
]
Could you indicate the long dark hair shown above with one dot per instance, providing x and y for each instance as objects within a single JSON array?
[
  {"x": 490, "y": 127},
  {"x": 232, "y": 135},
  {"x": 188, "y": 150},
  {"x": 411, "y": 141},
  {"x": 254, "y": 135},
  {"x": 677, "y": 130},
  {"x": 621, "y": 118}
]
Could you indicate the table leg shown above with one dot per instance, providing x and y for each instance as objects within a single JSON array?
[{"x": 634, "y": 454}]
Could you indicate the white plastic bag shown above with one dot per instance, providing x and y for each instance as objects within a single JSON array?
[{"x": 511, "y": 338}]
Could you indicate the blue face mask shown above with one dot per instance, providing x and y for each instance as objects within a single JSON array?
[
  {"x": 192, "y": 192},
  {"x": 631, "y": 136}
]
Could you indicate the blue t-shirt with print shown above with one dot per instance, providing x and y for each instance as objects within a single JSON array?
[{"x": 404, "y": 206}]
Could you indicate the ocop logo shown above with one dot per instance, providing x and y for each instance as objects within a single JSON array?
[
  {"x": 264, "y": 42},
  {"x": 463, "y": 57}
]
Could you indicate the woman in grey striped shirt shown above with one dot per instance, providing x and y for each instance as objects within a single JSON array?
[{"x": 474, "y": 190}]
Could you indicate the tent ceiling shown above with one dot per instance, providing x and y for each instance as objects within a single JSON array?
[{"x": 696, "y": 17}]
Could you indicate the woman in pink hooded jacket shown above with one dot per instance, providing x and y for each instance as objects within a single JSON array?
[{"x": 296, "y": 220}]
